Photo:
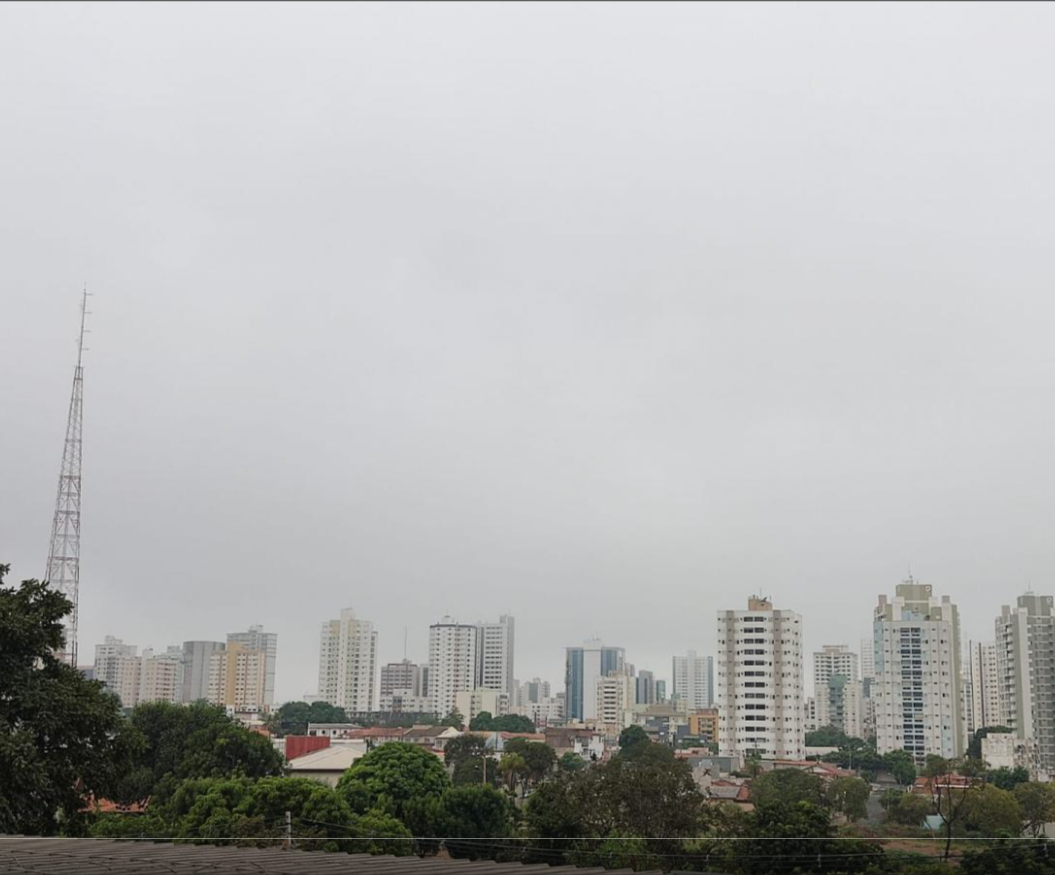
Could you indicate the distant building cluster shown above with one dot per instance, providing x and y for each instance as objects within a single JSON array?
[{"x": 913, "y": 685}]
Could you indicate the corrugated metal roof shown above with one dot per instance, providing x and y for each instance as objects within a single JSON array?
[{"x": 75, "y": 856}]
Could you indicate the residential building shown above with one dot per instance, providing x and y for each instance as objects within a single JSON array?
[
  {"x": 257, "y": 639},
  {"x": 809, "y": 717},
  {"x": 494, "y": 652},
  {"x": 161, "y": 676},
  {"x": 348, "y": 663},
  {"x": 472, "y": 703},
  {"x": 453, "y": 663},
  {"x": 835, "y": 681},
  {"x": 661, "y": 691},
  {"x": 868, "y": 660},
  {"x": 545, "y": 712},
  {"x": 916, "y": 693},
  {"x": 614, "y": 701},
  {"x": 694, "y": 679},
  {"x": 197, "y": 660},
  {"x": 583, "y": 667},
  {"x": 1025, "y": 658},
  {"x": 983, "y": 678},
  {"x": 534, "y": 690},
  {"x": 703, "y": 724},
  {"x": 236, "y": 678},
  {"x": 118, "y": 666},
  {"x": 404, "y": 676},
  {"x": 760, "y": 682}
]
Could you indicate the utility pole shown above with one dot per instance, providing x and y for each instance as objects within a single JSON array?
[{"x": 287, "y": 842}]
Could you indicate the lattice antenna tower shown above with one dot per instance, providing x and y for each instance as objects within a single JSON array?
[{"x": 64, "y": 554}]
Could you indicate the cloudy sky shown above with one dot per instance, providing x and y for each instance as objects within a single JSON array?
[{"x": 603, "y": 315}]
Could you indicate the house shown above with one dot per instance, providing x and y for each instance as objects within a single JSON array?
[
  {"x": 496, "y": 741},
  {"x": 326, "y": 765},
  {"x": 736, "y": 792},
  {"x": 586, "y": 743},
  {"x": 434, "y": 738}
]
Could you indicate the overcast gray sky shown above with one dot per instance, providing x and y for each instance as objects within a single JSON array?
[{"x": 605, "y": 315}]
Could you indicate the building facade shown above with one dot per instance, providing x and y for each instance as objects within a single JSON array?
[
  {"x": 237, "y": 677},
  {"x": 583, "y": 667},
  {"x": 837, "y": 688},
  {"x": 983, "y": 699},
  {"x": 760, "y": 682},
  {"x": 453, "y": 663},
  {"x": 348, "y": 663},
  {"x": 494, "y": 652},
  {"x": 118, "y": 666},
  {"x": 694, "y": 679},
  {"x": 161, "y": 676},
  {"x": 197, "y": 660},
  {"x": 916, "y": 693},
  {"x": 1025, "y": 659},
  {"x": 257, "y": 639},
  {"x": 404, "y": 677}
]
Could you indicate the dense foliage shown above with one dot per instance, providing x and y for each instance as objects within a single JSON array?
[
  {"x": 390, "y": 776},
  {"x": 293, "y": 718},
  {"x": 62, "y": 737},
  {"x": 484, "y": 722}
]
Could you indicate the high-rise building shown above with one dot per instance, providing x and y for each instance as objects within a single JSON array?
[
  {"x": 161, "y": 676},
  {"x": 402, "y": 677},
  {"x": 614, "y": 705},
  {"x": 694, "y": 679},
  {"x": 534, "y": 690},
  {"x": 348, "y": 663},
  {"x": 868, "y": 660},
  {"x": 916, "y": 694},
  {"x": 583, "y": 666},
  {"x": 118, "y": 666},
  {"x": 645, "y": 688},
  {"x": 453, "y": 663},
  {"x": 661, "y": 691},
  {"x": 760, "y": 682},
  {"x": 197, "y": 660},
  {"x": 472, "y": 703},
  {"x": 837, "y": 688},
  {"x": 1025, "y": 658},
  {"x": 237, "y": 677},
  {"x": 983, "y": 699},
  {"x": 494, "y": 652},
  {"x": 257, "y": 639}
]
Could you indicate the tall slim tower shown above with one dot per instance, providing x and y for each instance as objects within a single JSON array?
[{"x": 64, "y": 554}]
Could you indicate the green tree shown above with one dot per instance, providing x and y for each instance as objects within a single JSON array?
[
  {"x": 512, "y": 723},
  {"x": 293, "y": 718},
  {"x": 481, "y": 722},
  {"x": 906, "y": 809},
  {"x": 901, "y": 765},
  {"x": 465, "y": 756},
  {"x": 849, "y": 797},
  {"x": 1008, "y": 779},
  {"x": 632, "y": 740},
  {"x": 828, "y": 736},
  {"x": 539, "y": 757},
  {"x": 62, "y": 737},
  {"x": 617, "y": 851},
  {"x": 467, "y": 746},
  {"x": 390, "y": 775},
  {"x": 787, "y": 786},
  {"x": 1011, "y": 858},
  {"x": 1037, "y": 802},
  {"x": 513, "y": 769},
  {"x": 454, "y": 719},
  {"x": 192, "y": 741},
  {"x": 570, "y": 762},
  {"x": 468, "y": 819},
  {"x": 993, "y": 812},
  {"x": 951, "y": 784}
]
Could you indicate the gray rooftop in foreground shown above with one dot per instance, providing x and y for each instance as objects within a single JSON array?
[{"x": 77, "y": 856}]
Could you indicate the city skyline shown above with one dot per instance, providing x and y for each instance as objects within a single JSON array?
[{"x": 426, "y": 326}]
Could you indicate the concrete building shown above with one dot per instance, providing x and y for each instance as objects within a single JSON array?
[
  {"x": 404, "y": 677},
  {"x": 984, "y": 690},
  {"x": 645, "y": 688},
  {"x": 453, "y": 663},
  {"x": 118, "y": 666},
  {"x": 161, "y": 676},
  {"x": 837, "y": 688},
  {"x": 916, "y": 694},
  {"x": 348, "y": 663},
  {"x": 760, "y": 682},
  {"x": 471, "y": 703},
  {"x": 809, "y": 714},
  {"x": 257, "y": 639},
  {"x": 494, "y": 652},
  {"x": 197, "y": 660},
  {"x": 534, "y": 690},
  {"x": 545, "y": 712},
  {"x": 661, "y": 691},
  {"x": 868, "y": 660},
  {"x": 237, "y": 677},
  {"x": 694, "y": 679},
  {"x": 614, "y": 701},
  {"x": 583, "y": 667},
  {"x": 1025, "y": 658}
]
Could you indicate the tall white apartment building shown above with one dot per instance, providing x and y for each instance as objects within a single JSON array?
[
  {"x": 161, "y": 676},
  {"x": 694, "y": 679},
  {"x": 534, "y": 690},
  {"x": 1025, "y": 658},
  {"x": 471, "y": 703},
  {"x": 453, "y": 663},
  {"x": 868, "y": 660},
  {"x": 837, "y": 688},
  {"x": 348, "y": 663},
  {"x": 494, "y": 652},
  {"x": 257, "y": 639},
  {"x": 118, "y": 666},
  {"x": 614, "y": 701},
  {"x": 916, "y": 694},
  {"x": 760, "y": 682},
  {"x": 983, "y": 691}
]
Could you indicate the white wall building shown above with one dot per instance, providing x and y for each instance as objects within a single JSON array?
[
  {"x": 694, "y": 679},
  {"x": 984, "y": 704},
  {"x": 760, "y": 682},
  {"x": 494, "y": 652},
  {"x": 348, "y": 663},
  {"x": 916, "y": 694},
  {"x": 471, "y": 703},
  {"x": 868, "y": 662},
  {"x": 837, "y": 688},
  {"x": 161, "y": 676},
  {"x": 614, "y": 701},
  {"x": 453, "y": 663},
  {"x": 118, "y": 666},
  {"x": 257, "y": 639},
  {"x": 1025, "y": 657}
]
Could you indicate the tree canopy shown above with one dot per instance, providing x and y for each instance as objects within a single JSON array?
[
  {"x": 787, "y": 787},
  {"x": 293, "y": 718},
  {"x": 62, "y": 737},
  {"x": 485, "y": 722},
  {"x": 391, "y": 775}
]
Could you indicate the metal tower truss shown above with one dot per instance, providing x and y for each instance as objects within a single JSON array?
[{"x": 64, "y": 554}]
